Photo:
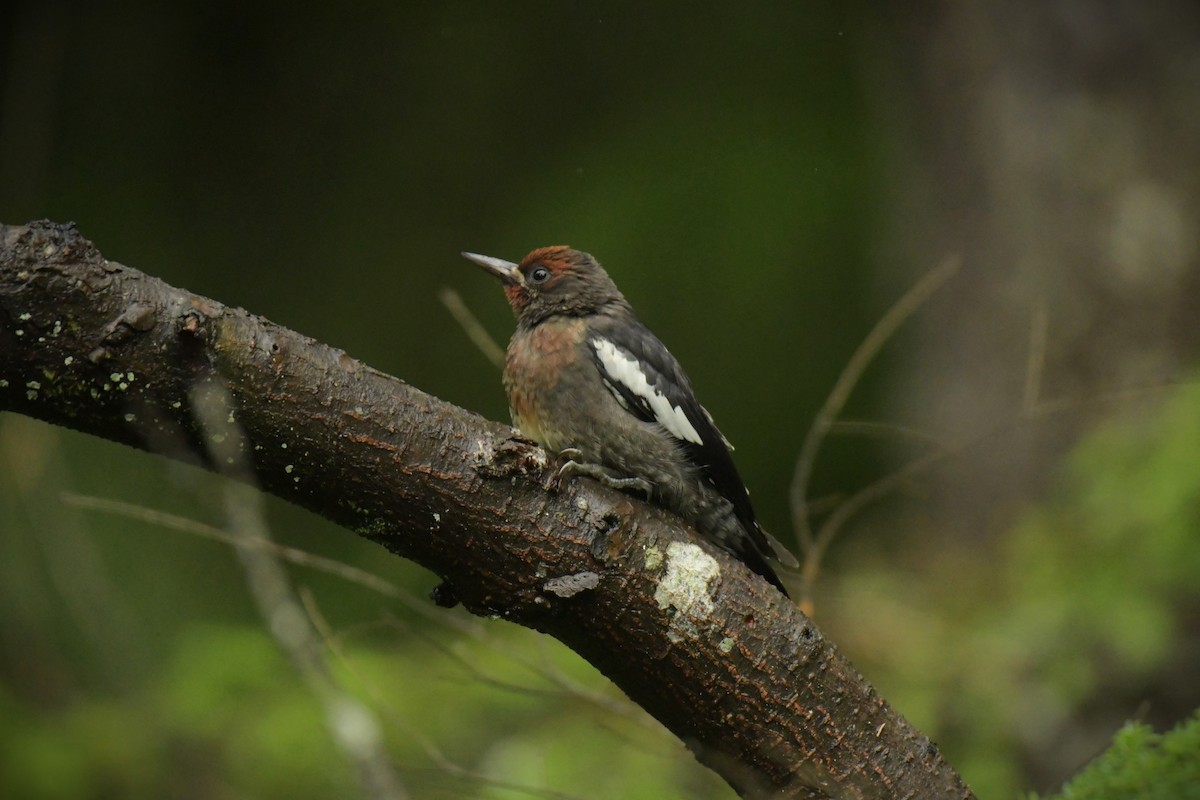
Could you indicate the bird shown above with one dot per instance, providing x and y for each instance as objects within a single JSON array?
[{"x": 586, "y": 379}]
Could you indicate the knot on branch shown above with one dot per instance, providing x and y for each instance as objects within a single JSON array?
[
  {"x": 44, "y": 244},
  {"x": 515, "y": 456}
]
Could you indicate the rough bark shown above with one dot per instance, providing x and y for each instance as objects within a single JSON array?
[{"x": 708, "y": 648}]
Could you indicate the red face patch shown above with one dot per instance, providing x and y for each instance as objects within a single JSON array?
[
  {"x": 556, "y": 257},
  {"x": 518, "y": 298}
]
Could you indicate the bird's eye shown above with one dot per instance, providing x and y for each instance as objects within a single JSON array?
[{"x": 539, "y": 275}]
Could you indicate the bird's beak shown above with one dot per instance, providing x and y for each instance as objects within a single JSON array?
[{"x": 508, "y": 272}]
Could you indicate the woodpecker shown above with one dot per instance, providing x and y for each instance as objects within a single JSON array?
[{"x": 587, "y": 380}]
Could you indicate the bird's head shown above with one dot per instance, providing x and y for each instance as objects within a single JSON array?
[{"x": 552, "y": 280}]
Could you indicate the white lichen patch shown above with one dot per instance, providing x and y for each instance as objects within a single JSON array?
[
  {"x": 654, "y": 558},
  {"x": 571, "y": 585},
  {"x": 685, "y": 588},
  {"x": 726, "y": 645}
]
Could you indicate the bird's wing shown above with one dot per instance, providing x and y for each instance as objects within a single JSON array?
[{"x": 649, "y": 383}]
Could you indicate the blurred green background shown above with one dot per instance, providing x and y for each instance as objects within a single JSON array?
[{"x": 762, "y": 182}]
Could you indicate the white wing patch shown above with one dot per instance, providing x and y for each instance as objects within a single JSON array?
[{"x": 625, "y": 370}]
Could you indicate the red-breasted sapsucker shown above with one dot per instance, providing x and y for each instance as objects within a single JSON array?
[{"x": 587, "y": 380}]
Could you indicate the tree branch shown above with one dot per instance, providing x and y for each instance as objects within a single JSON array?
[{"x": 708, "y": 648}]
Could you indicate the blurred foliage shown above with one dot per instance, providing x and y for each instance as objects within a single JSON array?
[
  {"x": 324, "y": 167},
  {"x": 1089, "y": 600},
  {"x": 227, "y": 717},
  {"x": 1088, "y": 609},
  {"x": 1142, "y": 765}
]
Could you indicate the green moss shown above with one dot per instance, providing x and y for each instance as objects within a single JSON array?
[{"x": 1142, "y": 765}]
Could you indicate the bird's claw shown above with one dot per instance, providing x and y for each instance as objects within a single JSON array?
[
  {"x": 569, "y": 455},
  {"x": 566, "y": 460},
  {"x": 572, "y": 466}
]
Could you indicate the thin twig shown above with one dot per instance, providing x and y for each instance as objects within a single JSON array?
[
  {"x": 432, "y": 751},
  {"x": 351, "y": 724},
  {"x": 884, "y": 430},
  {"x": 1035, "y": 366},
  {"x": 566, "y": 687},
  {"x": 851, "y": 373},
  {"x": 471, "y": 325},
  {"x": 1048, "y": 408},
  {"x": 352, "y": 574},
  {"x": 889, "y": 483},
  {"x": 186, "y": 525},
  {"x": 814, "y": 556}
]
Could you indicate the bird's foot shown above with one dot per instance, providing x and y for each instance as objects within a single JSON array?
[
  {"x": 572, "y": 466},
  {"x": 566, "y": 463}
]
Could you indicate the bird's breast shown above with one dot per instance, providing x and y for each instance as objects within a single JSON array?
[{"x": 540, "y": 364}]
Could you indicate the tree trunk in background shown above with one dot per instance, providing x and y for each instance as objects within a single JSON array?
[{"x": 1055, "y": 146}]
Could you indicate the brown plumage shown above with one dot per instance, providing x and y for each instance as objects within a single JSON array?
[{"x": 584, "y": 376}]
